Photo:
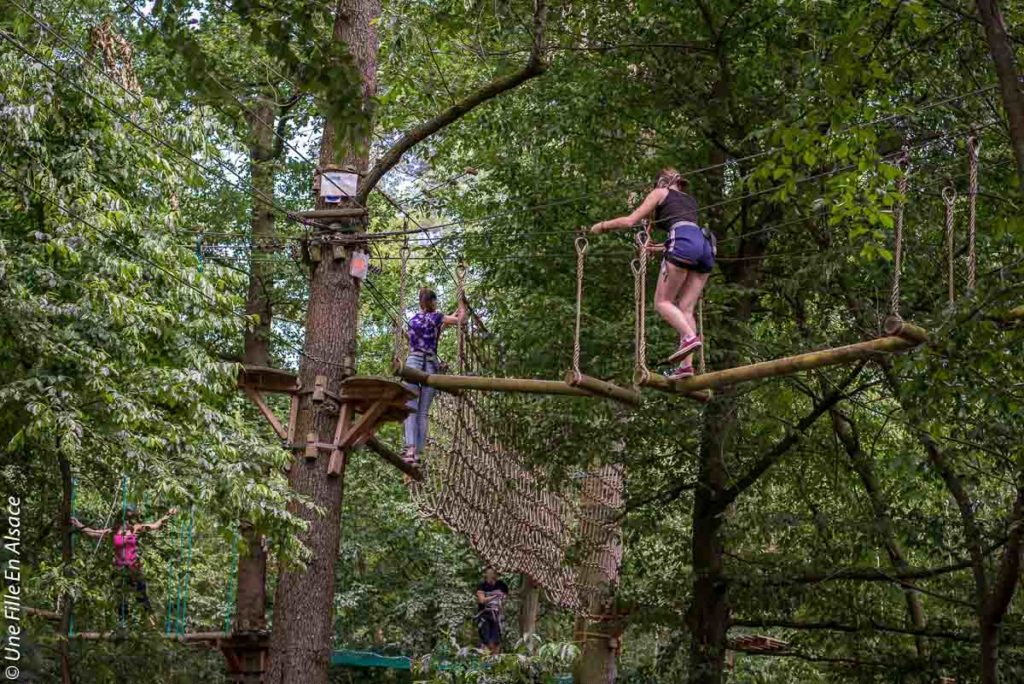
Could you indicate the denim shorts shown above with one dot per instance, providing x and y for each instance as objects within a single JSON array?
[{"x": 687, "y": 247}]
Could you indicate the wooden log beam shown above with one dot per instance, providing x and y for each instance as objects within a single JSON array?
[
  {"x": 343, "y": 212},
  {"x": 603, "y": 388},
  {"x": 663, "y": 384},
  {"x": 378, "y": 447},
  {"x": 188, "y": 637},
  {"x": 909, "y": 337},
  {"x": 449, "y": 383}
]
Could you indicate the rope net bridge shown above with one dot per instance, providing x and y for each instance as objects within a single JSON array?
[{"x": 478, "y": 483}]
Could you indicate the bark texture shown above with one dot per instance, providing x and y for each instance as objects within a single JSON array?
[{"x": 1005, "y": 62}]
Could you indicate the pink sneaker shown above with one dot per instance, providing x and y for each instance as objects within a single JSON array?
[
  {"x": 687, "y": 347},
  {"x": 681, "y": 372}
]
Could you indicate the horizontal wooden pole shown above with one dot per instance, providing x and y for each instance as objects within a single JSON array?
[
  {"x": 186, "y": 637},
  {"x": 378, "y": 447},
  {"x": 344, "y": 212},
  {"x": 1015, "y": 314},
  {"x": 449, "y": 383},
  {"x": 602, "y": 388},
  {"x": 663, "y": 384},
  {"x": 795, "y": 364},
  {"x": 898, "y": 327}
]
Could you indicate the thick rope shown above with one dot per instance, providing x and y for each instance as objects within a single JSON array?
[
  {"x": 973, "y": 146},
  {"x": 949, "y": 196},
  {"x": 897, "y": 259},
  {"x": 399, "y": 351},
  {"x": 581, "y": 251},
  {"x": 639, "y": 266},
  {"x": 460, "y": 297},
  {"x": 701, "y": 362}
]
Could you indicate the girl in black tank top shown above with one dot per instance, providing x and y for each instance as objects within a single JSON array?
[{"x": 688, "y": 260}]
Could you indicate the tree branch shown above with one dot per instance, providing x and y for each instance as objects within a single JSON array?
[
  {"x": 535, "y": 66},
  {"x": 283, "y": 115},
  {"x": 772, "y": 456}
]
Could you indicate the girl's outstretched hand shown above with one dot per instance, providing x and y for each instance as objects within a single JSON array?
[
  {"x": 173, "y": 511},
  {"x": 597, "y": 227}
]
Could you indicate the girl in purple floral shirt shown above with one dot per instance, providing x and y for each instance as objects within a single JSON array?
[{"x": 424, "y": 330}]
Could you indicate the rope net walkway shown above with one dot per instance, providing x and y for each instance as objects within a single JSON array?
[{"x": 478, "y": 483}]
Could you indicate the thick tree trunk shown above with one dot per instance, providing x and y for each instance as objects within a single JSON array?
[
  {"x": 1001, "y": 49},
  {"x": 708, "y": 616},
  {"x": 251, "y": 597},
  {"x": 529, "y": 606},
  {"x": 598, "y": 634},
  {"x": 67, "y": 556},
  {"x": 861, "y": 464},
  {"x": 303, "y": 609}
]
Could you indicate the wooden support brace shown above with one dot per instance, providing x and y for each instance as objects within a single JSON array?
[
  {"x": 336, "y": 464},
  {"x": 338, "y": 252},
  {"x": 366, "y": 423},
  {"x": 257, "y": 399},
  {"x": 319, "y": 387},
  {"x": 603, "y": 388},
  {"x": 312, "y": 446}
]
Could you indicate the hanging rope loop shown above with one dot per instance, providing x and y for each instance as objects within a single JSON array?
[
  {"x": 897, "y": 259},
  {"x": 639, "y": 267},
  {"x": 399, "y": 346},
  {"x": 460, "y": 297},
  {"x": 581, "y": 251},
  {"x": 973, "y": 147},
  {"x": 949, "y": 196}
]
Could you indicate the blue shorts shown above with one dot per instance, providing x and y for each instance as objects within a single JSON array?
[
  {"x": 489, "y": 628},
  {"x": 687, "y": 247}
]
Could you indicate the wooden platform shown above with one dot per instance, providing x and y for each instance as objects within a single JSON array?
[
  {"x": 363, "y": 391},
  {"x": 265, "y": 379}
]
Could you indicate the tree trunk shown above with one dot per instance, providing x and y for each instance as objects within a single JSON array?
[
  {"x": 303, "y": 609},
  {"x": 251, "y": 583},
  {"x": 529, "y": 606},
  {"x": 599, "y": 633},
  {"x": 1001, "y": 49},
  {"x": 861, "y": 464},
  {"x": 708, "y": 616},
  {"x": 67, "y": 556}
]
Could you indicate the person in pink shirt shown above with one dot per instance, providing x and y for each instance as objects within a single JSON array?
[{"x": 127, "y": 561}]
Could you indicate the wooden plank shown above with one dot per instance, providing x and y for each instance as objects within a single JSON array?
[
  {"x": 257, "y": 398},
  {"x": 604, "y": 389},
  {"x": 312, "y": 446},
  {"x": 348, "y": 212},
  {"x": 267, "y": 379},
  {"x": 789, "y": 365},
  {"x": 336, "y": 464},
  {"x": 486, "y": 384}
]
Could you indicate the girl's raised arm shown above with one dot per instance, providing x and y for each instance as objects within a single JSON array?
[
  {"x": 645, "y": 209},
  {"x": 88, "y": 531}
]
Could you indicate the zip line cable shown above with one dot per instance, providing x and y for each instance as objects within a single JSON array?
[{"x": 290, "y": 216}]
